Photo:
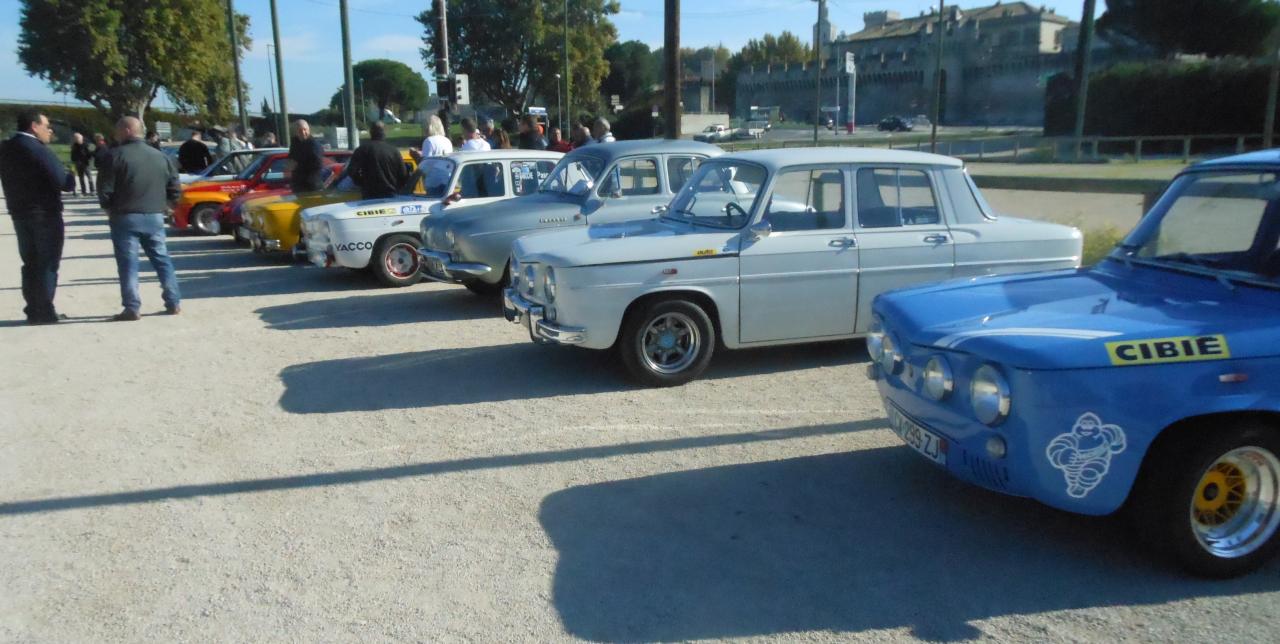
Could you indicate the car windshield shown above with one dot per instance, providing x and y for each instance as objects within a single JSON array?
[
  {"x": 435, "y": 174},
  {"x": 720, "y": 194},
  {"x": 574, "y": 176},
  {"x": 1223, "y": 224},
  {"x": 252, "y": 168}
]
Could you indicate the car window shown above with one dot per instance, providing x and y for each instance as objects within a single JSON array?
[
  {"x": 478, "y": 180},
  {"x": 1214, "y": 214},
  {"x": 631, "y": 178},
  {"x": 891, "y": 198},
  {"x": 275, "y": 172},
  {"x": 679, "y": 169},
  {"x": 526, "y": 176},
  {"x": 967, "y": 204},
  {"x": 721, "y": 195},
  {"x": 810, "y": 199}
]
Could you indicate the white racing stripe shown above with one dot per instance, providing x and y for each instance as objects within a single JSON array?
[{"x": 955, "y": 339}]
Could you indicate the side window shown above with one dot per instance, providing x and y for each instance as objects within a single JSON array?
[
  {"x": 477, "y": 180},
  {"x": 631, "y": 178},
  {"x": 526, "y": 176},
  {"x": 679, "y": 169},
  {"x": 889, "y": 198},
  {"x": 807, "y": 200},
  {"x": 275, "y": 172},
  {"x": 967, "y": 203}
]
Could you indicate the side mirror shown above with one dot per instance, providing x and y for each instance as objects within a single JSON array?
[
  {"x": 760, "y": 230},
  {"x": 582, "y": 187},
  {"x": 592, "y": 204},
  {"x": 660, "y": 210}
]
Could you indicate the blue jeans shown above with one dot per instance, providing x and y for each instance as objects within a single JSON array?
[
  {"x": 130, "y": 231},
  {"x": 40, "y": 237}
]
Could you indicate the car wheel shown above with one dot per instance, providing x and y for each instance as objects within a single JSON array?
[
  {"x": 1211, "y": 498},
  {"x": 396, "y": 262},
  {"x": 204, "y": 218},
  {"x": 235, "y": 236},
  {"x": 665, "y": 343}
]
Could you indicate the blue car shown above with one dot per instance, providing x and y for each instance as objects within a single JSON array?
[{"x": 1149, "y": 383}]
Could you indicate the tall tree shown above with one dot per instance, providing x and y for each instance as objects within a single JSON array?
[
  {"x": 631, "y": 70},
  {"x": 512, "y": 50},
  {"x": 117, "y": 55},
  {"x": 388, "y": 83},
  {"x": 1210, "y": 27}
]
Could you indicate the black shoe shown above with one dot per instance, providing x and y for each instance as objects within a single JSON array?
[
  {"x": 126, "y": 316},
  {"x": 173, "y": 310}
]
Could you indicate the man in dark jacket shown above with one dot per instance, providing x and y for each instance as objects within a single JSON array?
[
  {"x": 530, "y": 137},
  {"x": 307, "y": 160},
  {"x": 139, "y": 184},
  {"x": 101, "y": 154},
  {"x": 33, "y": 181},
  {"x": 376, "y": 166},
  {"x": 194, "y": 155},
  {"x": 81, "y": 156}
]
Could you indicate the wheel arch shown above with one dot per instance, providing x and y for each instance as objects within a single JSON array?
[{"x": 702, "y": 298}]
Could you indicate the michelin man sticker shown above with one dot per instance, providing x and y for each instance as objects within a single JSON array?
[{"x": 1084, "y": 453}]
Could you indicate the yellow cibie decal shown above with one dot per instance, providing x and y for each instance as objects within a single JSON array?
[
  {"x": 1189, "y": 348},
  {"x": 374, "y": 212},
  {"x": 704, "y": 252}
]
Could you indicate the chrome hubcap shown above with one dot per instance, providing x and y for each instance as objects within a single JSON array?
[
  {"x": 207, "y": 220},
  {"x": 1234, "y": 511},
  {"x": 402, "y": 260},
  {"x": 670, "y": 343}
]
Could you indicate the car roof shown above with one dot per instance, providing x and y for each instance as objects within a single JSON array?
[
  {"x": 783, "y": 157},
  {"x": 498, "y": 155},
  {"x": 1266, "y": 158},
  {"x": 610, "y": 151}
]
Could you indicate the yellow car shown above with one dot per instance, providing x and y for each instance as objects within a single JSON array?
[{"x": 274, "y": 223}]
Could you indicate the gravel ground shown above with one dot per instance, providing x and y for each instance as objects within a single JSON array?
[{"x": 302, "y": 456}]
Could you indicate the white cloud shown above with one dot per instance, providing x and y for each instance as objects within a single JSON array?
[
  {"x": 297, "y": 48},
  {"x": 398, "y": 43}
]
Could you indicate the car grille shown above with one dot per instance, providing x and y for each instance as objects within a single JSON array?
[{"x": 986, "y": 472}]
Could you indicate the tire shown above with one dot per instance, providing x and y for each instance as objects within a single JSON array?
[
  {"x": 204, "y": 219},
  {"x": 396, "y": 262},
  {"x": 1209, "y": 497},
  {"x": 665, "y": 343},
  {"x": 235, "y": 236}
]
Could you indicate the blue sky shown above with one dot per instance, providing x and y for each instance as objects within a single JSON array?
[{"x": 385, "y": 29}]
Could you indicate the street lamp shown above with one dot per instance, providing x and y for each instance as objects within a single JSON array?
[
  {"x": 559, "y": 105},
  {"x": 364, "y": 107}
]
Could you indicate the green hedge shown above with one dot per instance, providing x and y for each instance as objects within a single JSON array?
[
  {"x": 85, "y": 120},
  {"x": 1222, "y": 96}
]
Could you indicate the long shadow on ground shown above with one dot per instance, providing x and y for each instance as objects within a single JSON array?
[
  {"x": 849, "y": 542},
  {"x": 520, "y": 371},
  {"x": 398, "y": 306}
]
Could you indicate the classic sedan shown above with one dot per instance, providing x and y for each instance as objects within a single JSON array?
[
  {"x": 765, "y": 248},
  {"x": 594, "y": 184},
  {"x": 226, "y": 168},
  {"x": 383, "y": 234}
]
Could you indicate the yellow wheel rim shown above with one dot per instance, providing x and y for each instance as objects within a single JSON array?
[{"x": 1220, "y": 494}]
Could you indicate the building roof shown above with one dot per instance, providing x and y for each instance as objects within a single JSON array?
[
  {"x": 784, "y": 157},
  {"x": 912, "y": 26}
]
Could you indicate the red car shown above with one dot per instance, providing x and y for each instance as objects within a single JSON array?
[
  {"x": 230, "y": 216},
  {"x": 200, "y": 206}
]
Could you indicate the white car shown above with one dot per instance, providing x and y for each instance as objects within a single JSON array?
[
  {"x": 383, "y": 234},
  {"x": 713, "y": 134},
  {"x": 764, "y": 248}
]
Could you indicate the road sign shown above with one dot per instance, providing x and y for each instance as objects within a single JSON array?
[
  {"x": 614, "y": 99},
  {"x": 850, "y": 63},
  {"x": 537, "y": 111}
]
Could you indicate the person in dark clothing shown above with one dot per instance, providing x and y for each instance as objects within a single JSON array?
[
  {"x": 139, "y": 184},
  {"x": 307, "y": 160},
  {"x": 153, "y": 139},
  {"x": 529, "y": 138},
  {"x": 376, "y": 166},
  {"x": 33, "y": 179},
  {"x": 101, "y": 154},
  {"x": 81, "y": 156},
  {"x": 557, "y": 143},
  {"x": 194, "y": 155}
]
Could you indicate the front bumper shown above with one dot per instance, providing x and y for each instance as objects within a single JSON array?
[
  {"x": 440, "y": 267},
  {"x": 261, "y": 244},
  {"x": 533, "y": 318}
]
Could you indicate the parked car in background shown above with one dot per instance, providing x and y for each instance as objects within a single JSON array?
[
  {"x": 384, "y": 234},
  {"x": 227, "y": 167},
  {"x": 921, "y": 121},
  {"x": 592, "y": 185},
  {"x": 895, "y": 124},
  {"x": 714, "y": 134},
  {"x": 751, "y": 130},
  {"x": 1150, "y": 382},
  {"x": 768, "y": 247}
]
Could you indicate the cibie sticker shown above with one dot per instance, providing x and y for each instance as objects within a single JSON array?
[
  {"x": 1178, "y": 349},
  {"x": 1084, "y": 453},
  {"x": 374, "y": 212}
]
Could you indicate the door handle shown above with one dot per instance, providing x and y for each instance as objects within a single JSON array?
[
  {"x": 843, "y": 242},
  {"x": 936, "y": 239}
]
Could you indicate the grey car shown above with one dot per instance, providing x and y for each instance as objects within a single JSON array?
[{"x": 596, "y": 184}]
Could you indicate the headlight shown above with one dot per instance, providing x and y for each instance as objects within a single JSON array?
[
  {"x": 989, "y": 393},
  {"x": 938, "y": 382},
  {"x": 514, "y": 272},
  {"x": 549, "y": 284},
  {"x": 529, "y": 275},
  {"x": 875, "y": 341},
  {"x": 449, "y": 239},
  {"x": 890, "y": 354}
]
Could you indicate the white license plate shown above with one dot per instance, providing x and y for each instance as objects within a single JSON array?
[{"x": 932, "y": 446}]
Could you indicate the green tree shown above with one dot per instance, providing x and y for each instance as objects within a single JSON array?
[
  {"x": 631, "y": 70},
  {"x": 512, "y": 50},
  {"x": 117, "y": 55},
  {"x": 1210, "y": 27},
  {"x": 388, "y": 83}
]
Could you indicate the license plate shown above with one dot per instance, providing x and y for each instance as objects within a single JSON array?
[{"x": 932, "y": 446}]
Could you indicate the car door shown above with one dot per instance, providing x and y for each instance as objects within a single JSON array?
[
  {"x": 631, "y": 188},
  {"x": 902, "y": 236},
  {"x": 801, "y": 280},
  {"x": 481, "y": 182}
]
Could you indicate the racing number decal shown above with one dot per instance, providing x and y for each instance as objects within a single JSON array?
[{"x": 1188, "y": 348}]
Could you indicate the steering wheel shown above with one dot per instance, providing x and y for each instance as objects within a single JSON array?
[{"x": 734, "y": 205}]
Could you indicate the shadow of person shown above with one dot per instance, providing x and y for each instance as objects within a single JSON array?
[{"x": 874, "y": 539}]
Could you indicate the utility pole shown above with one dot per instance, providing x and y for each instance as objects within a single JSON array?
[
  {"x": 348, "y": 90},
  {"x": 671, "y": 76},
  {"x": 1084, "y": 56},
  {"x": 937, "y": 83},
  {"x": 817, "y": 69},
  {"x": 568, "y": 103},
  {"x": 235, "y": 61},
  {"x": 442, "y": 56},
  {"x": 271, "y": 80},
  {"x": 285, "y": 134}
]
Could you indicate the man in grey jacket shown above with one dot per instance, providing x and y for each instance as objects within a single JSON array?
[{"x": 139, "y": 184}]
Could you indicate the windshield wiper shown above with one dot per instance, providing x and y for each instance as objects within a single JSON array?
[{"x": 1199, "y": 262}]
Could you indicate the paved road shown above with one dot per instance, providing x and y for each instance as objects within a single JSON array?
[{"x": 304, "y": 456}]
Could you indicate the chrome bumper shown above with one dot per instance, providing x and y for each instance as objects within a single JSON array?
[
  {"x": 261, "y": 244},
  {"x": 440, "y": 267},
  {"x": 532, "y": 317}
]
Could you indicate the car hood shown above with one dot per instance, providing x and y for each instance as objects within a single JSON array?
[
  {"x": 1074, "y": 319},
  {"x": 537, "y": 202},
  {"x": 643, "y": 240}
]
